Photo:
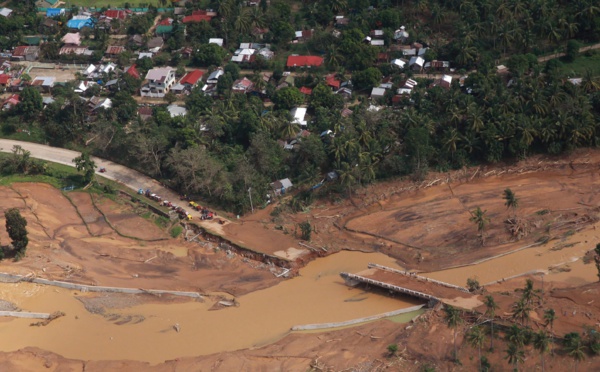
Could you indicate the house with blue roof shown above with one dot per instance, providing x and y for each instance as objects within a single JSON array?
[
  {"x": 54, "y": 12},
  {"x": 79, "y": 22}
]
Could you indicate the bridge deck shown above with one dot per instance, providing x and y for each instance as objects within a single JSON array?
[{"x": 409, "y": 284}]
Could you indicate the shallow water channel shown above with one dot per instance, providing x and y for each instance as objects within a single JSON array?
[{"x": 318, "y": 295}]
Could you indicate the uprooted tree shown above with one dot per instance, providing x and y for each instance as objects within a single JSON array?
[{"x": 16, "y": 226}]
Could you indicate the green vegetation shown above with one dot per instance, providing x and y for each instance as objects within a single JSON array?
[
  {"x": 587, "y": 61},
  {"x": 306, "y": 230},
  {"x": 392, "y": 349},
  {"x": 16, "y": 226},
  {"x": 230, "y": 143},
  {"x": 176, "y": 231}
]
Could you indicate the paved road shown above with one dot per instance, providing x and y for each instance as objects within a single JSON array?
[{"x": 116, "y": 172}]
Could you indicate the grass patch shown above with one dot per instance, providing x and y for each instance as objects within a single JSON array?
[
  {"x": 176, "y": 231},
  {"x": 162, "y": 222},
  {"x": 588, "y": 60}
]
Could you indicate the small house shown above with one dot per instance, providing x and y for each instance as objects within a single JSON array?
[
  {"x": 444, "y": 82},
  {"x": 114, "y": 51},
  {"x": 25, "y": 53},
  {"x": 377, "y": 93},
  {"x": 398, "y": 62},
  {"x": 416, "y": 63},
  {"x": 282, "y": 186},
  {"x": 217, "y": 41},
  {"x": 298, "y": 116},
  {"x": 213, "y": 78},
  {"x": 5, "y": 12},
  {"x": 175, "y": 110},
  {"x": 244, "y": 85},
  {"x": 43, "y": 83},
  {"x": 304, "y": 61},
  {"x": 80, "y": 21},
  {"x": 72, "y": 39},
  {"x": 54, "y": 12}
]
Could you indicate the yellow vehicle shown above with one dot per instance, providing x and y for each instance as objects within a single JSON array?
[
  {"x": 189, "y": 216},
  {"x": 193, "y": 204}
]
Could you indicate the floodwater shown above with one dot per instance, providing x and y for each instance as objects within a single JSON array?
[
  {"x": 318, "y": 295},
  {"x": 546, "y": 258}
]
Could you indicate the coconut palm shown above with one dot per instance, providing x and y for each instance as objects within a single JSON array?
[
  {"x": 490, "y": 312},
  {"x": 476, "y": 338},
  {"x": 514, "y": 355},
  {"x": 453, "y": 320},
  {"x": 541, "y": 342},
  {"x": 515, "y": 335},
  {"x": 550, "y": 317},
  {"x": 575, "y": 347},
  {"x": 521, "y": 311},
  {"x": 480, "y": 219},
  {"x": 511, "y": 200}
]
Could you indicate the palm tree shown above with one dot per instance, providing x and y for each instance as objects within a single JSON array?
[
  {"x": 550, "y": 317},
  {"x": 515, "y": 335},
  {"x": 575, "y": 347},
  {"x": 453, "y": 320},
  {"x": 288, "y": 130},
  {"x": 480, "y": 218},
  {"x": 511, "y": 200},
  {"x": 476, "y": 338},
  {"x": 514, "y": 355},
  {"x": 541, "y": 342},
  {"x": 521, "y": 311},
  {"x": 338, "y": 6},
  {"x": 243, "y": 22},
  {"x": 490, "y": 312}
]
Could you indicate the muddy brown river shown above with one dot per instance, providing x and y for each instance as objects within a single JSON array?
[{"x": 318, "y": 295}]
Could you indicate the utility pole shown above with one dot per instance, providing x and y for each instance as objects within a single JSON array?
[{"x": 250, "y": 196}]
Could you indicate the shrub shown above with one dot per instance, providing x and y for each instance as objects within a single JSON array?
[{"x": 176, "y": 231}]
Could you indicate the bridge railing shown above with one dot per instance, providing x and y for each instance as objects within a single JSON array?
[
  {"x": 413, "y": 275},
  {"x": 395, "y": 288}
]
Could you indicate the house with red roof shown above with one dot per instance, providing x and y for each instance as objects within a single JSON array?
[
  {"x": 4, "y": 79},
  {"x": 196, "y": 18},
  {"x": 25, "y": 53},
  {"x": 304, "y": 61},
  {"x": 332, "y": 81},
  {"x": 132, "y": 71},
  {"x": 11, "y": 102},
  {"x": 306, "y": 90},
  {"x": 114, "y": 51},
  {"x": 191, "y": 79},
  {"x": 117, "y": 14}
]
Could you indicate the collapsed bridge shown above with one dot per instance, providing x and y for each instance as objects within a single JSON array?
[{"x": 408, "y": 283}]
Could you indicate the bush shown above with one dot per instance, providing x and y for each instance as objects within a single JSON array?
[
  {"x": 306, "y": 229},
  {"x": 176, "y": 231},
  {"x": 392, "y": 349}
]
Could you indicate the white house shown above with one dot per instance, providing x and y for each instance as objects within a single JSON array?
[
  {"x": 159, "y": 82},
  {"x": 280, "y": 187},
  {"x": 217, "y": 41},
  {"x": 416, "y": 63},
  {"x": 400, "y": 63},
  {"x": 378, "y": 92},
  {"x": 175, "y": 110},
  {"x": 213, "y": 78},
  {"x": 298, "y": 114}
]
